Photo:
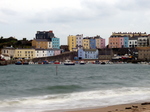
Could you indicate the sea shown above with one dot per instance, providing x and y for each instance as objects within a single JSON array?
[{"x": 50, "y": 87}]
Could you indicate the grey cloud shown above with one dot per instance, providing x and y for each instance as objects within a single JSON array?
[
  {"x": 62, "y": 15},
  {"x": 6, "y": 11},
  {"x": 88, "y": 11},
  {"x": 133, "y": 5}
]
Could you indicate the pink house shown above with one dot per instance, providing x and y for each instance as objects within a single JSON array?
[
  {"x": 116, "y": 42},
  {"x": 57, "y": 52},
  {"x": 100, "y": 42}
]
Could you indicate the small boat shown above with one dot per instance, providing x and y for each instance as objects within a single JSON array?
[
  {"x": 25, "y": 63},
  {"x": 18, "y": 63},
  {"x": 97, "y": 62},
  {"x": 45, "y": 62},
  {"x": 69, "y": 62},
  {"x": 57, "y": 62},
  {"x": 1, "y": 64},
  {"x": 103, "y": 63},
  {"x": 82, "y": 62}
]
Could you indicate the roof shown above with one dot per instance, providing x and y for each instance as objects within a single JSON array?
[
  {"x": 133, "y": 38},
  {"x": 43, "y": 40},
  {"x": 89, "y": 49},
  {"x": 47, "y": 49}
]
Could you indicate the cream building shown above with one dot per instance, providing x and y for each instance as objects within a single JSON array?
[
  {"x": 86, "y": 43},
  {"x": 130, "y": 34},
  {"x": 25, "y": 53}
]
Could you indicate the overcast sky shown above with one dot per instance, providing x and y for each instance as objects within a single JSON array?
[{"x": 23, "y": 18}]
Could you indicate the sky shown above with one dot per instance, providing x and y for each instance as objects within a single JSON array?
[{"x": 23, "y": 18}]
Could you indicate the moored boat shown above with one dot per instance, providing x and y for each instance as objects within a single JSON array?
[
  {"x": 103, "y": 63},
  {"x": 69, "y": 62},
  {"x": 57, "y": 62},
  {"x": 82, "y": 63},
  {"x": 25, "y": 63},
  {"x": 18, "y": 63}
]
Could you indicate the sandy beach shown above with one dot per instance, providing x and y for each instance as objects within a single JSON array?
[{"x": 137, "y": 107}]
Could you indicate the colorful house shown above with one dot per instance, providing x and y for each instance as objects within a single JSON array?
[
  {"x": 79, "y": 39},
  {"x": 46, "y": 52},
  {"x": 100, "y": 42},
  {"x": 72, "y": 43},
  {"x": 92, "y": 43},
  {"x": 25, "y": 53},
  {"x": 56, "y": 43},
  {"x": 118, "y": 42},
  {"x": 88, "y": 54},
  {"x": 86, "y": 43}
]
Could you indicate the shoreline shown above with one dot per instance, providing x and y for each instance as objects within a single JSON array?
[{"x": 131, "y": 107}]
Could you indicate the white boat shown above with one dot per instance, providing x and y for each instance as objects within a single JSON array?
[
  {"x": 82, "y": 62},
  {"x": 69, "y": 62}
]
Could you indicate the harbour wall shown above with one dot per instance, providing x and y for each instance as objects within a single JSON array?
[{"x": 62, "y": 57}]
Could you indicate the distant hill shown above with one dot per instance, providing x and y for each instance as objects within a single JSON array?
[{"x": 11, "y": 41}]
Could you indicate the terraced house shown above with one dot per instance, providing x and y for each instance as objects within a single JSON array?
[
  {"x": 24, "y": 53},
  {"x": 46, "y": 40},
  {"x": 125, "y": 40}
]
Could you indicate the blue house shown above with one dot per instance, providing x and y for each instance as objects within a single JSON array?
[
  {"x": 126, "y": 40},
  {"x": 80, "y": 53},
  {"x": 92, "y": 43},
  {"x": 88, "y": 54},
  {"x": 56, "y": 43}
]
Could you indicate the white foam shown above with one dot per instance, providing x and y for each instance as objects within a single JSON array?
[{"x": 76, "y": 100}]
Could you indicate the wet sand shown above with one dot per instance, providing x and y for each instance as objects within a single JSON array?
[
  {"x": 134, "y": 107},
  {"x": 137, "y": 107}
]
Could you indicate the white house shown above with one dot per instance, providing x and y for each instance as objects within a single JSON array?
[
  {"x": 46, "y": 52},
  {"x": 133, "y": 42}
]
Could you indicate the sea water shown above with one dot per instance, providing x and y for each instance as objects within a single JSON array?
[{"x": 36, "y": 88}]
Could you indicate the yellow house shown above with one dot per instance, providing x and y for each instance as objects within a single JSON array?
[
  {"x": 25, "y": 53},
  {"x": 41, "y": 43},
  {"x": 86, "y": 43},
  {"x": 72, "y": 43}
]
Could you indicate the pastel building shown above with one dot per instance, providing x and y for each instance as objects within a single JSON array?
[
  {"x": 25, "y": 53},
  {"x": 79, "y": 39},
  {"x": 56, "y": 43},
  {"x": 92, "y": 43},
  {"x": 57, "y": 52},
  {"x": 100, "y": 42},
  {"x": 42, "y": 53},
  {"x": 126, "y": 40},
  {"x": 86, "y": 43},
  {"x": 72, "y": 43},
  {"x": 46, "y": 52},
  {"x": 88, "y": 54},
  {"x": 118, "y": 42}
]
